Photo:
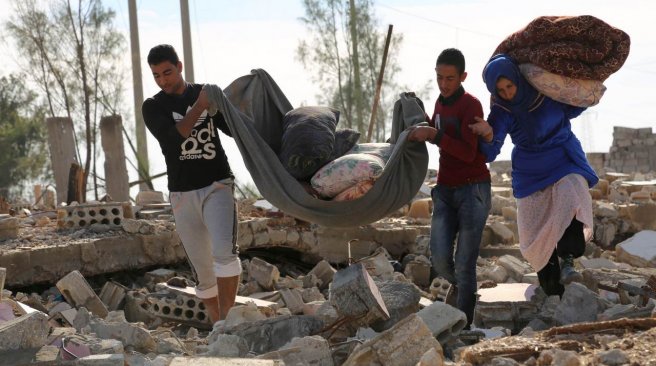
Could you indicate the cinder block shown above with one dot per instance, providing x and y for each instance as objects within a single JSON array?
[{"x": 84, "y": 215}]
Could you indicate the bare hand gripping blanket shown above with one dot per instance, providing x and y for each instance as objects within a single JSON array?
[{"x": 254, "y": 106}]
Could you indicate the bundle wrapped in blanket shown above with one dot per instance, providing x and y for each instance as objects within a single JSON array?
[
  {"x": 568, "y": 58},
  {"x": 337, "y": 167}
]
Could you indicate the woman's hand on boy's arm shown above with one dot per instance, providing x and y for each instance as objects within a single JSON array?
[{"x": 482, "y": 128}]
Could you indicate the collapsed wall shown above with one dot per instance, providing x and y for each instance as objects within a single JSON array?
[{"x": 633, "y": 150}]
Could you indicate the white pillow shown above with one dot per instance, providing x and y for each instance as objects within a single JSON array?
[
  {"x": 346, "y": 171},
  {"x": 576, "y": 92}
]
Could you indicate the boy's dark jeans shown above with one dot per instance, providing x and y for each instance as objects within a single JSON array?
[{"x": 460, "y": 211}]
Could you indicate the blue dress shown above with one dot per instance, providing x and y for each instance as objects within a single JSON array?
[
  {"x": 543, "y": 155},
  {"x": 545, "y": 148}
]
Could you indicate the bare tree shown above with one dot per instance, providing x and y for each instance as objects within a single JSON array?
[
  {"x": 345, "y": 53},
  {"x": 72, "y": 52}
]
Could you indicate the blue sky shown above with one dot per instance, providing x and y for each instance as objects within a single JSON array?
[{"x": 232, "y": 37}]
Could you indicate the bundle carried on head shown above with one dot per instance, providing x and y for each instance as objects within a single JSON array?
[{"x": 568, "y": 57}]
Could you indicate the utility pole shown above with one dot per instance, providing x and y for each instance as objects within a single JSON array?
[
  {"x": 357, "y": 86},
  {"x": 186, "y": 42},
  {"x": 140, "y": 127}
]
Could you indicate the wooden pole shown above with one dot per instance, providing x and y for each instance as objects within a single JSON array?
[{"x": 379, "y": 83}]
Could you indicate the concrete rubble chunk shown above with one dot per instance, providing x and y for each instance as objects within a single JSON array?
[
  {"x": 47, "y": 354},
  {"x": 508, "y": 305},
  {"x": 444, "y": 321},
  {"x": 293, "y": 300},
  {"x": 353, "y": 293},
  {"x": 324, "y": 271},
  {"x": 76, "y": 291},
  {"x": 159, "y": 275},
  {"x": 312, "y": 294},
  {"x": 418, "y": 271},
  {"x": 502, "y": 233},
  {"x": 378, "y": 263},
  {"x": 244, "y": 313},
  {"x": 101, "y": 360},
  {"x": 147, "y": 197},
  {"x": 516, "y": 267},
  {"x": 8, "y": 228},
  {"x": 113, "y": 295},
  {"x": 264, "y": 273},
  {"x": 27, "y": 331},
  {"x": 312, "y": 350},
  {"x": 612, "y": 357},
  {"x": 271, "y": 334},
  {"x": 431, "y": 358},
  {"x": 639, "y": 250},
  {"x": 558, "y": 357},
  {"x": 401, "y": 299},
  {"x": 403, "y": 344},
  {"x": 578, "y": 304},
  {"x": 227, "y": 345},
  {"x": 128, "y": 333},
  {"x": 496, "y": 273},
  {"x": 213, "y": 361}
]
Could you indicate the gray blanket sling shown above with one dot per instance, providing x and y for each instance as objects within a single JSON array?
[{"x": 253, "y": 106}]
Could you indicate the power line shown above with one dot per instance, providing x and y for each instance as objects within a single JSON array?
[{"x": 438, "y": 22}]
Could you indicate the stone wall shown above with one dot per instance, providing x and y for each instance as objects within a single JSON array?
[{"x": 633, "y": 150}]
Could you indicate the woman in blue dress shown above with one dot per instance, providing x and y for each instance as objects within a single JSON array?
[{"x": 550, "y": 173}]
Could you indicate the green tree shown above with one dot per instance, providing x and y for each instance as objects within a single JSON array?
[
  {"x": 345, "y": 47},
  {"x": 72, "y": 52},
  {"x": 22, "y": 137}
]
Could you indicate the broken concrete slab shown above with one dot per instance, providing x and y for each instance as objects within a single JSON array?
[
  {"x": 578, "y": 304},
  {"x": 271, "y": 334},
  {"x": 508, "y": 305},
  {"x": 76, "y": 290},
  {"x": 27, "y": 331},
  {"x": 118, "y": 253},
  {"x": 403, "y": 344},
  {"x": 444, "y": 321},
  {"x": 639, "y": 250},
  {"x": 128, "y": 333}
]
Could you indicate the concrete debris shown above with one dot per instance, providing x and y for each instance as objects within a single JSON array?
[
  {"x": 403, "y": 344},
  {"x": 124, "y": 292},
  {"x": 77, "y": 292},
  {"x": 444, "y": 321},
  {"x": 354, "y": 294},
  {"x": 27, "y": 331}
]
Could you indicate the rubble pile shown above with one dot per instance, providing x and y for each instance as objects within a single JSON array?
[{"x": 361, "y": 296}]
